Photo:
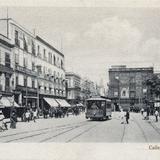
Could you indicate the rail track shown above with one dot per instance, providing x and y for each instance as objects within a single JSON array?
[
  {"x": 46, "y": 130},
  {"x": 142, "y": 131}
]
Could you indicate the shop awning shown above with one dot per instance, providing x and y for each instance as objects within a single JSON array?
[
  {"x": 63, "y": 103},
  {"x": 52, "y": 102},
  {"x": 8, "y": 102},
  {"x": 80, "y": 105}
]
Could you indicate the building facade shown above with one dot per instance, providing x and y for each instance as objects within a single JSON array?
[
  {"x": 37, "y": 69},
  {"x": 126, "y": 85},
  {"x": 73, "y": 87},
  {"x": 6, "y": 66}
]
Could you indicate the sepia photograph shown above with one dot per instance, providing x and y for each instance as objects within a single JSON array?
[{"x": 80, "y": 75}]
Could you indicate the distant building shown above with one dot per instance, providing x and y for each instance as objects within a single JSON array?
[
  {"x": 126, "y": 85},
  {"x": 88, "y": 89},
  {"x": 73, "y": 87}
]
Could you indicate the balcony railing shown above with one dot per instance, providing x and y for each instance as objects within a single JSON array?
[
  {"x": 6, "y": 69},
  {"x": 25, "y": 70}
]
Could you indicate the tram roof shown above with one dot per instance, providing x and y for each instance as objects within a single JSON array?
[{"x": 98, "y": 99}]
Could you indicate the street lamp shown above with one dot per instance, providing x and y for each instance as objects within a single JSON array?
[
  {"x": 38, "y": 67},
  {"x": 117, "y": 78}
]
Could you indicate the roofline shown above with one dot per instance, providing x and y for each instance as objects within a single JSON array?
[
  {"x": 72, "y": 74},
  {"x": 14, "y": 22},
  {"x": 4, "y": 42},
  {"x": 130, "y": 69},
  {"x": 47, "y": 44}
]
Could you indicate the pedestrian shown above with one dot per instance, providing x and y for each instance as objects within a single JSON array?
[
  {"x": 34, "y": 115},
  {"x": 27, "y": 114},
  {"x": 148, "y": 112},
  {"x": 142, "y": 111},
  {"x": 1, "y": 121},
  {"x": 127, "y": 116},
  {"x": 13, "y": 120},
  {"x": 156, "y": 115},
  {"x": 122, "y": 116}
]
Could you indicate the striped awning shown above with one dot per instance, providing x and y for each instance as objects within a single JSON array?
[
  {"x": 63, "y": 103},
  {"x": 52, "y": 102},
  {"x": 8, "y": 102}
]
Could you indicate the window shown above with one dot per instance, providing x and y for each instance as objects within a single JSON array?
[
  {"x": 25, "y": 81},
  {"x": 61, "y": 64},
  {"x": 25, "y": 62},
  {"x": 16, "y": 39},
  {"x": 7, "y": 81},
  {"x": 132, "y": 94},
  {"x": 0, "y": 57},
  {"x": 16, "y": 80},
  {"x": 33, "y": 47},
  {"x": 7, "y": 60},
  {"x": 16, "y": 58},
  {"x": 44, "y": 54},
  {"x": 124, "y": 93},
  {"x": 25, "y": 44},
  {"x": 38, "y": 51},
  {"x": 45, "y": 89},
  {"x": 33, "y": 66},
  {"x": 33, "y": 83},
  {"x": 50, "y": 89},
  {"x": 54, "y": 60}
]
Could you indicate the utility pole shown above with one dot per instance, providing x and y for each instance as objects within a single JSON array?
[{"x": 7, "y": 24}]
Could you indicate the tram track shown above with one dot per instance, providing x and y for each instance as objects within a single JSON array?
[
  {"x": 71, "y": 139},
  {"x": 46, "y": 130},
  {"x": 123, "y": 133},
  {"x": 142, "y": 131},
  {"x": 154, "y": 127},
  {"x": 61, "y": 133}
]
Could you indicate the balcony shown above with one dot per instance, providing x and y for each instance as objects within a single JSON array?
[
  {"x": 23, "y": 88},
  {"x": 6, "y": 69},
  {"x": 25, "y": 70}
]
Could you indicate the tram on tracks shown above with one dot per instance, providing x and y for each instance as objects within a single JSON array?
[{"x": 98, "y": 108}]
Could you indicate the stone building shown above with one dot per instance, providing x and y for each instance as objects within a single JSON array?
[
  {"x": 37, "y": 67},
  {"x": 6, "y": 67},
  {"x": 73, "y": 87},
  {"x": 126, "y": 85}
]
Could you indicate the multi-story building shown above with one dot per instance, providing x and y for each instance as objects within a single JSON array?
[
  {"x": 50, "y": 67},
  {"x": 6, "y": 67},
  {"x": 38, "y": 67},
  {"x": 73, "y": 87},
  {"x": 126, "y": 85}
]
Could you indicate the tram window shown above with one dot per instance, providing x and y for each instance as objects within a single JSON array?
[
  {"x": 102, "y": 104},
  {"x": 108, "y": 105},
  {"x": 94, "y": 106}
]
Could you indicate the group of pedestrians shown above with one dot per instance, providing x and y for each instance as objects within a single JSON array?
[
  {"x": 30, "y": 115},
  {"x": 146, "y": 114}
]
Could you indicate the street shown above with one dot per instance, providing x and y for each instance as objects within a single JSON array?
[{"x": 79, "y": 129}]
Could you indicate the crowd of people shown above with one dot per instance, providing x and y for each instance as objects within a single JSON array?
[
  {"x": 144, "y": 112},
  {"x": 31, "y": 114}
]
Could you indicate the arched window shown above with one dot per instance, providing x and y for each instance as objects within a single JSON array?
[
  {"x": 61, "y": 64},
  {"x": 124, "y": 93},
  {"x": 54, "y": 60}
]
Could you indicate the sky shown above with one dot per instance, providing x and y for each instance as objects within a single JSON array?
[{"x": 95, "y": 38}]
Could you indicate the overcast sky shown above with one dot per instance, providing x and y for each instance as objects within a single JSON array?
[{"x": 93, "y": 39}]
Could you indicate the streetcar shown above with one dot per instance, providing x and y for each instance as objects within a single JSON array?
[{"x": 98, "y": 108}]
